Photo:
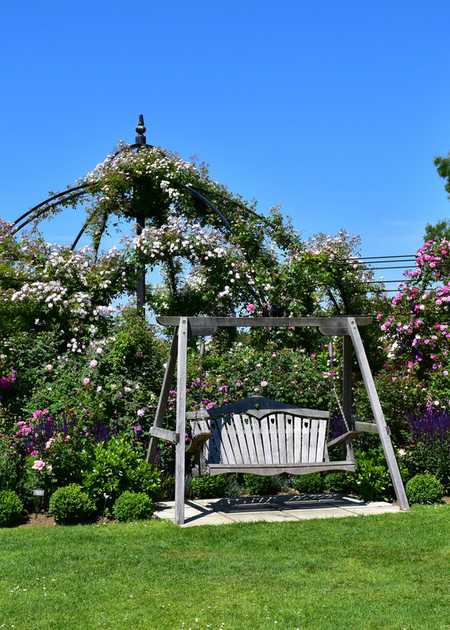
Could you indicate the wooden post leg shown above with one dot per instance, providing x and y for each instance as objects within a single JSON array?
[
  {"x": 378, "y": 414},
  {"x": 347, "y": 397},
  {"x": 163, "y": 397},
  {"x": 180, "y": 449}
]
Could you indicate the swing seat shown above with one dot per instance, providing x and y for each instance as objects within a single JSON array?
[{"x": 265, "y": 437}]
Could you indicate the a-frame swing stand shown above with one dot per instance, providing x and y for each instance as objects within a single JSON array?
[{"x": 347, "y": 327}]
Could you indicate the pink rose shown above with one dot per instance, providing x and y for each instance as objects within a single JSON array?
[
  {"x": 250, "y": 308},
  {"x": 38, "y": 465}
]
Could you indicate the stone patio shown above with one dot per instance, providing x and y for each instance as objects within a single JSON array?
[{"x": 271, "y": 509}]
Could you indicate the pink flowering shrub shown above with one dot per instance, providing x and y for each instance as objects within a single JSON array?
[{"x": 416, "y": 331}]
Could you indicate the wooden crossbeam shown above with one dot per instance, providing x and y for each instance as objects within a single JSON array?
[
  {"x": 203, "y": 326},
  {"x": 164, "y": 434}
]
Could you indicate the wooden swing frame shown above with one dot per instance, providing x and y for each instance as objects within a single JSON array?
[{"x": 344, "y": 326}]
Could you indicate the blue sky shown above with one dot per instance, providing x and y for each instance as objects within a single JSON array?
[{"x": 334, "y": 110}]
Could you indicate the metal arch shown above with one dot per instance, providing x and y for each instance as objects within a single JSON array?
[{"x": 75, "y": 189}]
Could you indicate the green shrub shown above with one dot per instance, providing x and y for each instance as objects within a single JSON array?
[
  {"x": 167, "y": 490},
  {"x": 338, "y": 482},
  {"x": 424, "y": 488},
  {"x": 133, "y": 506},
  {"x": 11, "y": 464},
  {"x": 11, "y": 508},
  {"x": 70, "y": 504},
  {"x": 256, "y": 484},
  {"x": 209, "y": 486},
  {"x": 118, "y": 466},
  {"x": 308, "y": 484},
  {"x": 371, "y": 480},
  {"x": 68, "y": 458},
  {"x": 430, "y": 455}
]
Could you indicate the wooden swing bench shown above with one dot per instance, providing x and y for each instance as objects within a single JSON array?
[
  {"x": 261, "y": 436},
  {"x": 265, "y": 437}
]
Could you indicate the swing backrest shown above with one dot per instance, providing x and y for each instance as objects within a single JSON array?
[{"x": 262, "y": 431}]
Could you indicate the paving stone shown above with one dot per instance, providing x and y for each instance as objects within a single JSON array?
[
  {"x": 328, "y": 512},
  {"x": 215, "y": 518},
  {"x": 258, "y": 516},
  {"x": 365, "y": 510}
]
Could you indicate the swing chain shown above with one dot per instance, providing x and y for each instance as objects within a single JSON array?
[{"x": 341, "y": 410}]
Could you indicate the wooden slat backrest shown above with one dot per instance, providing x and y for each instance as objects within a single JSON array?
[{"x": 274, "y": 437}]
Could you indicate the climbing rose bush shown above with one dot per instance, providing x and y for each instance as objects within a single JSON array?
[{"x": 416, "y": 332}]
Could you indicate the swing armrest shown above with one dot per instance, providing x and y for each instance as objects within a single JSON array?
[
  {"x": 345, "y": 437},
  {"x": 197, "y": 442}
]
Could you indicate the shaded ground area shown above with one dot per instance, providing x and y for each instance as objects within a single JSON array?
[
  {"x": 387, "y": 571},
  {"x": 271, "y": 509}
]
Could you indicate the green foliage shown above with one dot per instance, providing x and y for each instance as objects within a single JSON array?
[
  {"x": 308, "y": 484},
  {"x": 69, "y": 457},
  {"x": 262, "y": 485},
  {"x": 338, "y": 482},
  {"x": 371, "y": 480},
  {"x": 289, "y": 375},
  {"x": 437, "y": 231},
  {"x": 135, "y": 350},
  {"x": 430, "y": 455},
  {"x": 167, "y": 490},
  {"x": 399, "y": 395},
  {"x": 70, "y": 505},
  {"x": 133, "y": 506},
  {"x": 443, "y": 168},
  {"x": 118, "y": 465},
  {"x": 424, "y": 488},
  {"x": 11, "y": 508},
  {"x": 11, "y": 463},
  {"x": 209, "y": 486}
]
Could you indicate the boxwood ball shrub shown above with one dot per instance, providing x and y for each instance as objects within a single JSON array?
[
  {"x": 133, "y": 506},
  {"x": 70, "y": 504},
  {"x": 209, "y": 486},
  {"x": 424, "y": 488},
  {"x": 11, "y": 508}
]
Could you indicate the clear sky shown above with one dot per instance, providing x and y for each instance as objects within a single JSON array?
[{"x": 334, "y": 110}]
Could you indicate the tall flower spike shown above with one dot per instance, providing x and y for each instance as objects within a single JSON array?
[{"x": 140, "y": 131}]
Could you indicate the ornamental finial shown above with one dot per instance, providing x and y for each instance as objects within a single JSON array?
[{"x": 140, "y": 131}]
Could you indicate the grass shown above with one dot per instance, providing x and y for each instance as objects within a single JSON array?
[{"x": 387, "y": 571}]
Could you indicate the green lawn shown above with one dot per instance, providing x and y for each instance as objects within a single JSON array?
[{"x": 388, "y": 571}]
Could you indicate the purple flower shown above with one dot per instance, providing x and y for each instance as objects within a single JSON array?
[
  {"x": 432, "y": 422},
  {"x": 6, "y": 382}
]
